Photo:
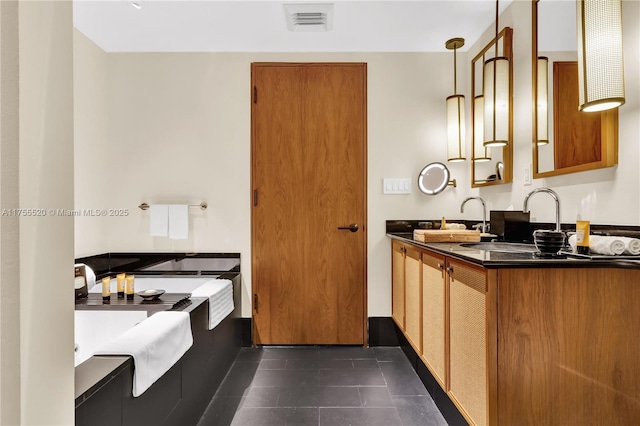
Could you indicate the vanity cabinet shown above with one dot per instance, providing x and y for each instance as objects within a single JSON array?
[
  {"x": 520, "y": 345},
  {"x": 445, "y": 318},
  {"x": 406, "y": 304}
]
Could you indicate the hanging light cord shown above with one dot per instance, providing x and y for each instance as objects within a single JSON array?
[
  {"x": 495, "y": 73},
  {"x": 455, "y": 88}
]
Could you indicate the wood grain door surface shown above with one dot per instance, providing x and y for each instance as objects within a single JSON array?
[{"x": 309, "y": 179}]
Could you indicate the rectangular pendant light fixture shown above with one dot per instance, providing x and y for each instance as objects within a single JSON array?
[
  {"x": 480, "y": 152},
  {"x": 496, "y": 102},
  {"x": 542, "y": 101},
  {"x": 455, "y": 113},
  {"x": 600, "y": 62}
]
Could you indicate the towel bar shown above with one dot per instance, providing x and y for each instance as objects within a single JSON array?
[{"x": 203, "y": 206}]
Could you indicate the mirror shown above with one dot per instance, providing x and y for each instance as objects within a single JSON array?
[
  {"x": 434, "y": 178},
  {"x": 579, "y": 140},
  {"x": 491, "y": 165}
]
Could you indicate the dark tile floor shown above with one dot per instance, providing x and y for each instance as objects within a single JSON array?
[{"x": 321, "y": 386}]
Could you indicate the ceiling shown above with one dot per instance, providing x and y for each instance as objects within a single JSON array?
[{"x": 260, "y": 26}]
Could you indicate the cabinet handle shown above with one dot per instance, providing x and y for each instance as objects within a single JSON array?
[
  {"x": 450, "y": 269},
  {"x": 440, "y": 266}
]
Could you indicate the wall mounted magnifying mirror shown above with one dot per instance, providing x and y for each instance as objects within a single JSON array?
[
  {"x": 488, "y": 155},
  {"x": 565, "y": 140},
  {"x": 434, "y": 178}
]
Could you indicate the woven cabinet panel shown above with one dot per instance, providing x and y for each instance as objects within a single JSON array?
[
  {"x": 413, "y": 326},
  {"x": 397, "y": 309},
  {"x": 433, "y": 318},
  {"x": 468, "y": 348}
]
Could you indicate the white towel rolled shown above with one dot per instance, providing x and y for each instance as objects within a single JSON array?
[
  {"x": 610, "y": 246},
  {"x": 631, "y": 245},
  {"x": 155, "y": 344}
]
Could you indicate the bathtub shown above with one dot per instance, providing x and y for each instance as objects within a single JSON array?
[
  {"x": 168, "y": 284},
  {"x": 94, "y": 328}
]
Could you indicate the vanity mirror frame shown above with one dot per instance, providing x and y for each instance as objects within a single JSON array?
[
  {"x": 608, "y": 121},
  {"x": 506, "y": 38}
]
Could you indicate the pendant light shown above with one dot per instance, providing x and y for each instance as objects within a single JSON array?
[
  {"x": 480, "y": 152},
  {"x": 455, "y": 112},
  {"x": 600, "y": 62},
  {"x": 542, "y": 101},
  {"x": 496, "y": 82}
]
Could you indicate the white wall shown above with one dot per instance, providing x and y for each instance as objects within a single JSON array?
[
  {"x": 46, "y": 243},
  {"x": 91, "y": 144},
  {"x": 179, "y": 131}
]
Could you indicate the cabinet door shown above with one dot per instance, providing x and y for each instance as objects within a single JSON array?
[
  {"x": 434, "y": 316},
  {"x": 468, "y": 340},
  {"x": 397, "y": 283},
  {"x": 413, "y": 297}
]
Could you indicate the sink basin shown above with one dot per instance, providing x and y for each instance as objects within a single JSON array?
[{"x": 502, "y": 247}]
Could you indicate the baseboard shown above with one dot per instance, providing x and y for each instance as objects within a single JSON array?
[
  {"x": 245, "y": 330},
  {"x": 383, "y": 332},
  {"x": 443, "y": 402}
]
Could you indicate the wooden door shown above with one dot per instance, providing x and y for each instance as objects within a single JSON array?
[{"x": 308, "y": 180}]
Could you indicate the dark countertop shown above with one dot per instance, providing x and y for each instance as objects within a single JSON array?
[
  {"x": 96, "y": 372},
  {"x": 489, "y": 259}
]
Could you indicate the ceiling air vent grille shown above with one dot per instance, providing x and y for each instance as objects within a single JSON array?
[{"x": 309, "y": 16}]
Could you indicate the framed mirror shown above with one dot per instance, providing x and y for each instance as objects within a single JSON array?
[
  {"x": 491, "y": 165},
  {"x": 434, "y": 178},
  {"x": 565, "y": 140}
]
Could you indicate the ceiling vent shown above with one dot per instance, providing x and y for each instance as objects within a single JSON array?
[{"x": 310, "y": 17}]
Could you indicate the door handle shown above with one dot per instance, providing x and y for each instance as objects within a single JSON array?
[{"x": 353, "y": 227}]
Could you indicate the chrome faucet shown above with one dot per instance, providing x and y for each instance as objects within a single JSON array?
[
  {"x": 484, "y": 211},
  {"x": 550, "y": 192}
]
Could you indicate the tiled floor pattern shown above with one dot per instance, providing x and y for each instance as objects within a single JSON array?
[{"x": 332, "y": 386}]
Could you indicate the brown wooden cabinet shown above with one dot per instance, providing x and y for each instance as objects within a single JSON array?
[
  {"x": 397, "y": 284},
  {"x": 434, "y": 316},
  {"x": 524, "y": 346},
  {"x": 407, "y": 297},
  {"x": 413, "y": 297}
]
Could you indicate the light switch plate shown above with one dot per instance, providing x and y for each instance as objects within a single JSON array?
[
  {"x": 527, "y": 175},
  {"x": 396, "y": 186}
]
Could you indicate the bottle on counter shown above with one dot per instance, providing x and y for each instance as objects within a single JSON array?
[
  {"x": 129, "y": 287},
  {"x": 106, "y": 289},
  {"x": 583, "y": 228},
  {"x": 120, "y": 279}
]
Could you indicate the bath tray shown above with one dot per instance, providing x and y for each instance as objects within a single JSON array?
[
  {"x": 600, "y": 256},
  {"x": 446, "y": 236}
]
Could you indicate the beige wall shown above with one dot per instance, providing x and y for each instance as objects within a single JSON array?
[
  {"x": 46, "y": 243},
  {"x": 9, "y": 225},
  {"x": 179, "y": 131},
  {"x": 180, "y": 128},
  {"x": 91, "y": 144}
]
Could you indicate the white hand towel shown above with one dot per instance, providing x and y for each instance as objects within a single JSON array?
[
  {"x": 159, "y": 220},
  {"x": 155, "y": 344},
  {"x": 609, "y": 246},
  {"x": 631, "y": 245},
  {"x": 178, "y": 221},
  {"x": 220, "y": 295}
]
